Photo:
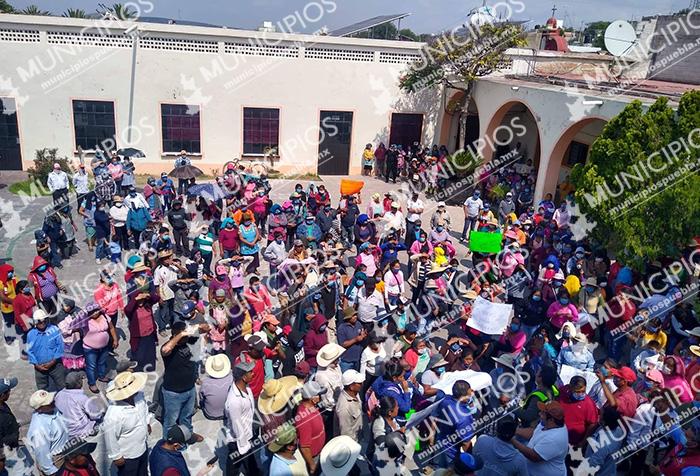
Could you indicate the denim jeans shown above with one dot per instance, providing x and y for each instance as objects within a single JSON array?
[
  {"x": 177, "y": 409},
  {"x": 469, "y": 223},
  {"x": 95, "y": 364},
  {"x": 101, "y": 249}
]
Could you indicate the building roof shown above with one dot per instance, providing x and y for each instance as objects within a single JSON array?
[{"x": 367, "y": 24}]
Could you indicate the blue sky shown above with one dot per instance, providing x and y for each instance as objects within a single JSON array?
[{"x": 428, "y": 16}]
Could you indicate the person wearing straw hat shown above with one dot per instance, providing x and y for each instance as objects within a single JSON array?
[
  {"x": 215, "y": 386},
  {"x": 286, "y": 459},
  {"x": 126, "y": 424},
  {"x": 44, "y": 351},
  {"x": 164, "y": 274},
  {"x": 276, "y": 394},
  {"x": 329, "y": 372},
  {"x": 347, "y": 415},
  {"x": 47, "y": 435},
  {"x": 339, "y": 455},
  {"x": 351, "y": 335}
]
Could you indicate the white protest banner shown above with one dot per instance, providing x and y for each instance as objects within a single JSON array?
[
  {"x": 490, "y": 317},
  {"x": 567, "y": 371},
  {"x": 477, "y": 380}
]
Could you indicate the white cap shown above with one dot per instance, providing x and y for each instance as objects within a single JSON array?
[
  {"x": 41, "y": 398},
  {"x": 39, "y": 315},
  {"x": 351, "y": 376}
]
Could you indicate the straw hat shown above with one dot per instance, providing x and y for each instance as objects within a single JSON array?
[
  {"x": 437, "y": 269},
  {"x": 339, "y": 456},
  {"x": 126, "y": 384},
  {"x": 218, "y": 366},
  {"x": 276, "y": 393},
  {"x": 695, "y": 349},
  {"x": 470, "y": 294},
  {"x": 506, "y": 359},
  {"x": 431, "y": 284},
  {"x": 328, "y": 354},
  {"x": 164, "y": 254}
]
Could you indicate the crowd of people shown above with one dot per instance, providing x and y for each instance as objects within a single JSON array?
[{"x": 334, "y": 334}]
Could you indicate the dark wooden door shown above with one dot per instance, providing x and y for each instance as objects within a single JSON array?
[
  {"x": 10, "y": 155},
  {"x": 334, "y": 142},
  {"x": 406, "y": 129}
]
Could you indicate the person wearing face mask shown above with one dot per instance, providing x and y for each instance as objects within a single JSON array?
[
  {"x": 119, "y": 214},
  {"x": 577, "y": 354},
  {"x": 456, "y": 418},
  {"x": 548, "y": 443},
  {"x": 249, "y": 237},
  {"x": 533, "y": 313},
  {"x": 167, "y": 456},
  {"x": 23, "y": 307},
  {"x": 372, "y": 357},
  {"x": 46, "y": 285},
  {"x": 506, "y": 207},
  {"x": 561, "y": 310},
  {"x": 309, "y": 232},
  {"x": 674, "y": 378},
  {"x": 315, "y": 339},
  {"x": 8, "y": 291},
  {"x": 109, "y": 297},
  {"x": 418, "y": 356},
  {"x": 228, "y": 238},
  {"x": 624, "y": 397},
  {"x": 394, "y": 282},
  {"x": 580, "y": 412},
  {"x": 178, "y": 218}
]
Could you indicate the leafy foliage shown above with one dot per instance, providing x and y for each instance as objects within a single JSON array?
[
  {"x": 5, "y": 7},
  {"x": 74, "y": 13},
  {"x": 43, "y": 164},
  {"x": 593, "y": 33},
  {"x": 463, "y": 163},
  {"x": 498, "y": 192},
  {"x": 34, "y": 10},
  {"x": 644, "y": 198},
  {"x": 453, "y": 59}
]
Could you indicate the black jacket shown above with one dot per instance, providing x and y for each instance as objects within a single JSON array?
[{"x": 9, "y": 428}]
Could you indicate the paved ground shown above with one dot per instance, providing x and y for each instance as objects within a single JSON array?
[{"x": 80, "y": 275}]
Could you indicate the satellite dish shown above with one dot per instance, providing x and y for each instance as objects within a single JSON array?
[
  {"x": 482, "y": 16},
  {"x": 620, "y": 38}
]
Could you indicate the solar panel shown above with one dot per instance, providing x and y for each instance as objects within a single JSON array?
[{"x": 367, "y": 24}]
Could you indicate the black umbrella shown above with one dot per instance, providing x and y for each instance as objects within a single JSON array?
[
  {"x": 131, "y": 152},
  {"x": 185, "y": 172}
]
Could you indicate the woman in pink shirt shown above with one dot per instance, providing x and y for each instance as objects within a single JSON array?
[
  {"x": 674, "y": 378},
  {"x": 97, "y": 331},
  {"x": 367, "y": 258},
  {"x": 109, "y": 297},
  {"x": 258, "y": 297},
  {"x": 561, "y": 311}
]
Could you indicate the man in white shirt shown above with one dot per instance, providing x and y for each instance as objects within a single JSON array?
[
  {"x": 393, "y": 219},
  {"x": 415, "y": 209},
  {"x": 164, "y": 274},
  {"x": 81, "y": 184},
  {"x": 372, "y": 357},
  {"x": 57, "y": 182},
  {"x": 239, "y": 414},
  {"x": 472, "y": 207},
  {"x": 126, "y": 424},
  {"x": 370, "y": 302},
  {"x": 547, "y": 449}
]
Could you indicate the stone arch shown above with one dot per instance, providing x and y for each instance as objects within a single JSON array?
[{"x": 495, "y": 129}]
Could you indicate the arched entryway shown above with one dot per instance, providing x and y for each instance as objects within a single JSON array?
[
  {"x": 570, "y": 149},
  {"x": 512, "y": 135},
  {"x": 453, "y": 119}
]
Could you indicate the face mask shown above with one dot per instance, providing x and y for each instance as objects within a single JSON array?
[
  {"x": 515, "y": 327},
  {"x": 578, "y": 396},
  {"x": 407, "y": 374},
  {"x": 604, "y": 371},
  {"x": 298, "y": 190},
  {"x": 423, "y": 350},
  {"x": 536, "y": 298},
  {"x": 327, "y": 209},
  {"x": 296, "y": 202},
  {"x": 485, "y": 295},
  {"x": 247, "y": 223},
  {"x": 166, "y": 237},
  {"x": 10, "y": 275},
  {"x": 119, "y": 204},
  {"x": 278, "y": 212},
  {"x": 229, "y": 226},
  {"x": 322, "y": 328},
  {"x": 220, "y": 277},
  {"x": 648, "y": 384},
  {"x": 653, "y": 330},
  {"x": 109, "y": 281},
  {"x": 132, "y": 194},
  {"x": 42, "y": 268},
  {"x": 565, "y": 335},
  {"x": 396, "y": 270},
  {"x": 579, "y": 255},
  {"x": 255, "y": 287},
  {"x": 279, "y": 241},
  {"x": 27, "y": 291},
  {"x": 382, "y": 323},
  {"x": 440, "y": 370},
  {"x": 590, "y": 289},
  {"x": 359, "y": 283},
  {"x": 666, "y": 370},
  {"x": 310, "y": 222},
  {"x": 564, "y": 301}
]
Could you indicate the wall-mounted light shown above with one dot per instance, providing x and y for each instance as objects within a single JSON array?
[
  {"x": 515, "y": 88},
  {"x": 593, "y": 102}
]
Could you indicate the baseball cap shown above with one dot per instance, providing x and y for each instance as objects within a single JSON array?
[
  {"x": 220, "y": 292},
  {"x": 270, "y": 319},
  {"x": 286, "y": 435},
  {"x": 410, "y": 329},
  {"x": 302, "y": 369},
  {"x": 255, "y": 342},
  {"x": 552, "y": 409},
  {"x": 312, "y": 389},
  {"x": 8, "y": 384},
  {"x": 179, "y": 434},
  {"x": 245, "y": 367},
  {"x": 351, "y": 376},
  {"x": 624, "y": 373}
]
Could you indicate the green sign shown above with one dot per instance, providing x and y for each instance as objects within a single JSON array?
[{"x": 485, "y": 242}]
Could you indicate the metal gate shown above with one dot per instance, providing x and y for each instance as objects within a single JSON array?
[{"x": 334, "y": 142}]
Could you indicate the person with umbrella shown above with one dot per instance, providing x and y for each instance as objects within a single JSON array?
[{"x": 181, "y": 161}]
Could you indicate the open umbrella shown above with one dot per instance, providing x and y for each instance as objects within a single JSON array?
[
  {"x": 185, "y": 172},
  {"x": 210, "y": 191},
  {"x": 131, "y": 153}
]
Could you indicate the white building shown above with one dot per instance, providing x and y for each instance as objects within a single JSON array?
[{"x": 317, "y": 100}]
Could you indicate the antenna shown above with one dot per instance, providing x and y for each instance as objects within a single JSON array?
[{"x": 620, "y": 38}]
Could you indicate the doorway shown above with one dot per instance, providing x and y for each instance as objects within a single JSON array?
[
  {"x": 10, "y": 155},
  {"x": 406, "y": 129},
  {"x": 335, "y": 136}
]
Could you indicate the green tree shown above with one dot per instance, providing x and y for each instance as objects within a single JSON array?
[
  {"x": 643, "y": 198},
  {"x": 74, "y": 13},
  {"x": 34, "y": 10},
  {"x": 6, "y": 7},
  {"x": 43, "y": 164},
  {"x": 594, "y": 32},
  {"x": 458, "y": 62}
]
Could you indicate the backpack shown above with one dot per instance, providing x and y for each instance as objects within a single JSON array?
[{"x": 371, "y": 402}]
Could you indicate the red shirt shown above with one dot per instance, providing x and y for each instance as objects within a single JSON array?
[
  {"x": 577, "y": 415},
  {"x": 23, "y": 304},
  {"x": 310, "y": 430},
  {"x": 627, "y": 401},
  {"x": 258, "y": 381},
  {"x": 228, "y": 239}
]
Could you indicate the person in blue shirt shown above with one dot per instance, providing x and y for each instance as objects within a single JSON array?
[
  {"x": 577, "y": 355},
  {"x": 394, "y": 384},
  {"x": 166, "y": 456},
  {"x": 44, "y": 352},
  {"x": 455, "y": 421},
  {"x": 167, "y": 189},
  {"x": 390, "y": 250},
  {"x": 309, "y": 232}
]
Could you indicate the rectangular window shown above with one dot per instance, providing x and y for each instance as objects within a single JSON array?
[
  {"x": 94, "y": 124},
  {"x": 180, "y": 128},
  {"x": 261, "y": 128}
]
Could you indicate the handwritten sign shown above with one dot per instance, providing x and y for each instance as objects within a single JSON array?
[{"x": 489, "y": 317}]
